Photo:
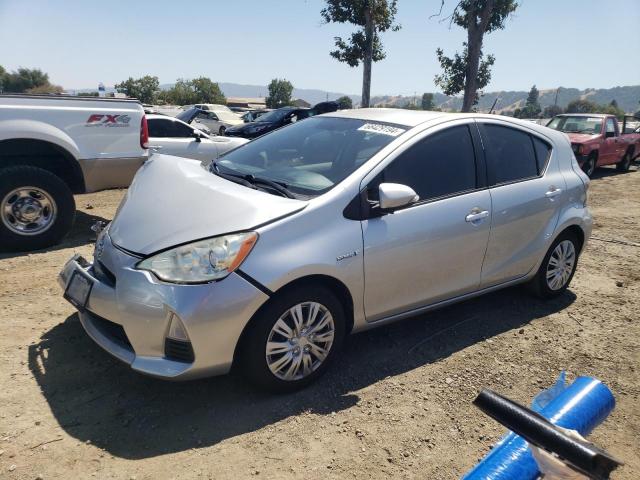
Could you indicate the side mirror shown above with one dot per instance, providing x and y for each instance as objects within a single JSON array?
[
  {"x": 396, "y": 195},
  {"x": 197, "y": 135}
]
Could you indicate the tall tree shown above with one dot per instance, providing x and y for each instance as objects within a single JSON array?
[
  {"x": 144, "y": 89},
  {"x": 470, "y": 71},
  {"x": 3, "y": 74},
  {"x": 24, "y": 79},
  {"x": 344, "y": 103},
  {"x": 427, "y": 101},
  {"x": 373, "y": 17},
  {"x": 532, "y": 107},
  {"x": 280, "y": 91}
]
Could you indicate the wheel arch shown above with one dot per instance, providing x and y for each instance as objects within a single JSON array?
[
  {"x": 577, "y": 231},
  {"x": 337, "y": 287},
  {"x": 46, "y": 155}
]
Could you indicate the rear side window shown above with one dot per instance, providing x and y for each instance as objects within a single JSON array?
[
  {"x": 509, "y": 153},
  {"x": 441, "y": 164},
  {"x": 543, "y": 152}
]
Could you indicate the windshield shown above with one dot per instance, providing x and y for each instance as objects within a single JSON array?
[
  {"x": 275, "y": 115},
  {"x": 577, "y": 124},
  {"x": 310, "y": 157}
]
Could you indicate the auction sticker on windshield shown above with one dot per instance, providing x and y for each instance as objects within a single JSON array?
[{"x": 382, "y": 128}]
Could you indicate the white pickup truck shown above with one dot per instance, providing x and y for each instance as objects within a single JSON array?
[{"x": 52, "y": 147}]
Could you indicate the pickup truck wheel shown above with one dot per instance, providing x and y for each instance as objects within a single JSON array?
[
  {"x": 36, "y": 208},
  {"x": 624, "y": 164},
  {"x": 589, "y": 165}
]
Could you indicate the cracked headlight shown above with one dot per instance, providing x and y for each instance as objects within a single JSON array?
[{"x": 201, "y": 261}]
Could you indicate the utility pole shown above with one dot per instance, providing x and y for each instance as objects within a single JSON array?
[{"x": 555, "y": 102}]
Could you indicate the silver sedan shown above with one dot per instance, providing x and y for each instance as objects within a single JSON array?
[{"x": 269, "y": 256}]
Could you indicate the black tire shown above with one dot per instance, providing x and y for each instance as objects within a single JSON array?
[
  {"x": 65, "y": 207},
  {"x": 589, "y": 165},
  {"x": 538, "y": 285},
  {"x": 222, "y": 130},
  {"x": 252, "y": 355},
  {"x": 624, "y": 164}
]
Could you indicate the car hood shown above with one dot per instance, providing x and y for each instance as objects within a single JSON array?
[
  {"x": 581, "y": 137},
  {"x": 175, "y": 200}
]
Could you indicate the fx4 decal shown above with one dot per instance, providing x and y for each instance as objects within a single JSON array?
[{"x": 105, "y": 120}]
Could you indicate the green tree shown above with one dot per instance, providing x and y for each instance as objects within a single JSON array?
[
  {"x": 24, "y": 79},
  {"x": 613, "y": 103},
  {"x": 344, "y": 103},
  {"x": 207, "y": 91},
  {"x": 532, "y": 107},
  {"x": 551, "y": 111},
  {"x": 3, "y": 74},
  {"x": 144, "y": 89},
  {"x": 470, "y": 71},
  {"x": 44, "y": 89},
  {"x": 373, "y": 17},
  {"x": 427, "y": 102},
  {"x": 582, "y": 106},
  {"x": 280, "y": 91}
]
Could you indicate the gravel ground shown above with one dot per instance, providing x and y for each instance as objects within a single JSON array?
[{"x": 397, "y": 403}]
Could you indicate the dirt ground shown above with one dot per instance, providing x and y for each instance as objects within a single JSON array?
[{"x": 397, "y": 404}]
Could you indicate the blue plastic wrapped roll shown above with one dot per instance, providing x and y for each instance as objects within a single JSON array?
[{"x": 581, "y": 406}]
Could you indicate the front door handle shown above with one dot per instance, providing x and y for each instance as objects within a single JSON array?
[
  {"x": 553, "y": 192},
  {"x": 475, "y": 215}
]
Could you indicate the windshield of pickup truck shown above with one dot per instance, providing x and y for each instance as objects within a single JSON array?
[
  {"x": 577, "y": 124},
  {"x": 307, "y": 158}
]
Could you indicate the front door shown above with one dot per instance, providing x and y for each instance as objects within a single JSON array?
[
  {"x": 432, "y": 250},
  {"x": 608, "y": 153}
]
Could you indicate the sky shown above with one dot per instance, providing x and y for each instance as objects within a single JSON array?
[{"x": 550, "y": 43}]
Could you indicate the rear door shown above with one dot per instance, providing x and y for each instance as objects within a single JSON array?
[
  {"x": 172, "y": 137},
  {"x": 526, "y": 189},
  {"x": 431, "y": 250}
]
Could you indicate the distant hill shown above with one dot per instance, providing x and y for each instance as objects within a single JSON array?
[{"x": 627, "y": 97}]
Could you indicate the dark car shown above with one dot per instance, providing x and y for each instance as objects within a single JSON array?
[
  {"x": 279, "y": 118},
  {"x": 269, "y": 122},
  {"x": 253, "y": 115}
]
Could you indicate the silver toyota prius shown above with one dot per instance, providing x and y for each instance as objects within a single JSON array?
[{"x": 266, "y": 258}]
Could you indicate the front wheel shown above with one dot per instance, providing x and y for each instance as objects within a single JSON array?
[
  {"x": 589, "y": 165},
  {"x": 37, "y": 208},
  {"x": 294, "y": 339},
  {"x": 624, "y": 164},
  {"x": 557, "y": 268},
  {"x": 222, "y": 130}
]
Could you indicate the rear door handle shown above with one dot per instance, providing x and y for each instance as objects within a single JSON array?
[
  {"x": 553, "y": 192},
  {"x": 155, "y": 147},
  {"x": 476, "y": 214}
]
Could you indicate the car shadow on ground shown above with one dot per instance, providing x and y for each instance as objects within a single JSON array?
[
  {"x": 612, "y": 171},
  {"x": 95, "y": 398},
  {"x": 80, "y": 234}
]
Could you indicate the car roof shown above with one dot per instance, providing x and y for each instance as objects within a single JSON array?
[
  {"x": 409, "y": 118},
  {"x": 599, "y": 115}
]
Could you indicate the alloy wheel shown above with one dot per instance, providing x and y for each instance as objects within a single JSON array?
[
  {"x": 28, "y": 211},
  {"x": 300, "y": 341},
  {"x": 561, "y": 264}
]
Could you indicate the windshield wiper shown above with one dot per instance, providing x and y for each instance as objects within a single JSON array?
[
  {"x": 249, "y": 180},
  {"x": 278, "y": 186}
]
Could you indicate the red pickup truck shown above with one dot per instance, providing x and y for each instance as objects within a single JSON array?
[{"x": 597, "y": 139}]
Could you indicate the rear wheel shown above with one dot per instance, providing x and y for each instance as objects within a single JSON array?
[
  {"x": 589, "y": 165},
  {"x": 36, "y": 208},
  {"x": 557, "y": 268},
  {"x": 624, "y": 164},
  {"x": 294, "y": 339}
]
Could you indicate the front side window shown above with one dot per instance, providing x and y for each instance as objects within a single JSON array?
[
  {"x": 167, "y": 128},
  {"x": 310, "y": 157},
  {"x": 509, "y": 153},
  {"x": 610, "y": 126},
  {"x": 442, "y": 164}
]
